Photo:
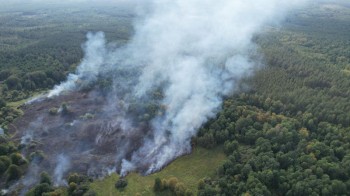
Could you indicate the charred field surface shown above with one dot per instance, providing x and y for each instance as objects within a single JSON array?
[{"x": 74, "y": 125}]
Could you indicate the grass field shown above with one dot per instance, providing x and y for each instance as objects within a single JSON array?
[
  {"x": 188, "y": 169},
  {"x": 17, "y": 104}
]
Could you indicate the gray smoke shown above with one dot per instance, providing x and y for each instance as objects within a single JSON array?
[
  {"x": 63, "y": 165},
  {"x": 30, "y": 179},
  {"x": 90, "y": 66},
  {"x": 28, "y": 135},
  {"x": 195, "y": 51}
]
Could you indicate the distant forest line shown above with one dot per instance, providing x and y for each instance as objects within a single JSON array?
[{"x": 289, "y": 134}]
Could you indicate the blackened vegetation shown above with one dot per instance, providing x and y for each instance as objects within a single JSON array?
[{"x": 81, "y": 129}]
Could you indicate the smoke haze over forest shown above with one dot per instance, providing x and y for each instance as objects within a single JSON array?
[
  {"x": 194, "y": 51},
  {"x": 94, "y": 88}
]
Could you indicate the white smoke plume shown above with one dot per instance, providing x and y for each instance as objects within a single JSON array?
[
  {"x": 199, "y": 49},
  {"x": 63, "y": 165},
  {"x": 90, "y": 66},
  {"x": 28, "y": 135},
  {"x": 196, "y": 51}
]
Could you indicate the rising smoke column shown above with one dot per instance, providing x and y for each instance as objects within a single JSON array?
[
  {"x": 195, "y": 51},
  {"x": 89, "y": 68},
  {"x": 63, "y": 164}
]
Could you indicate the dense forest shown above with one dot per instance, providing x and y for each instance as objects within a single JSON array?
[
  {"x": 288, "y": 133},
  {"x": 38, "y": 49}
]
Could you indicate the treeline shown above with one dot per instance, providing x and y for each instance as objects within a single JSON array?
[
  {"x": 12, "y": 163},
  {"x": 38, "y": 51},
  {"x": 289, "y": 134},
  {"x": 18, "y": 85},
  {"x": 171, "y": 186},
  {"x": 303, "y": 83},
  {"x": 7, "y": 115},
  {"x": 78, "y": 185},
  {"x": 38, "y": 67},
  {"x": 270, "y": 154}
]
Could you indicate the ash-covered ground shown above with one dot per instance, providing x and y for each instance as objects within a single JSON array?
[{"x": 72, "y": 133}]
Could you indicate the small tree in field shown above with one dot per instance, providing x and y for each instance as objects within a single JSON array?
[
  {"x": 121, "y": 184},
  {"x": 158, "y": 186},
  {"x": 14, "y": 172}
]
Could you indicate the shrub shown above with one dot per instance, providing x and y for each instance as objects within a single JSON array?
[
  {"x": 3, "y": 167},
  {"x": 72, "y": 187},
  {"x": 13, "y": 173},
  {"x": 90, "y": 193},
  {"x": 53, "y": 111},
  {"x": 188, "y": 193},
  {"x": 65, "y": 108},
  {"x": 77, "y": 184},
  {"x": 4, "y": 74},
  {"x": 6, "y": 160},
  {"x": 42, "y": 188},
  {"x": 158, "y": 186},
  {"x": 180, "y": 189},
  {"x": 74, "y": 178},
  {"x": 165, "y": 184},
  {"x": 17, "y": 159},
  {"x": 13, "y": 82},
  {"x": 207, "y": 141},
  {"x": 9, "y": 118},
  {"x": 37, "y": 156},
  {"x": 2, "y": 103},
  {"x": 201, "y": 184},
  {"x": 172, "y": 183},
  {"x": 57, "y": 192},
  {"x": 87, "y": 116},
  {"x": 121, "y": 184},
  {"x": 230, "y": 147},
  {"x": 4, "y": 149},
  {"x": 45, "y": 178}
]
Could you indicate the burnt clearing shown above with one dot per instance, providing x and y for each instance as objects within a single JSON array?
[{"x": 75, "y": 125}]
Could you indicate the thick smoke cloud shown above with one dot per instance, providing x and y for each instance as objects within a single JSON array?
[{"x": 195, "y": 51}]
